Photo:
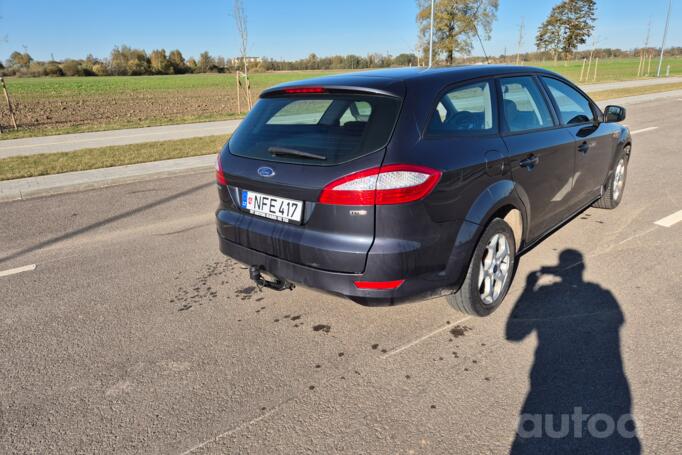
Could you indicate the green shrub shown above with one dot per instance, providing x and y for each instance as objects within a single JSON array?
[
  {"x": 71, "y": 68},
  {"x": 53, "y": 69},
  {"x": 138, "y": 67},
  {"x": 36, "y": 69},
  {"x": 100, "y": 69}
]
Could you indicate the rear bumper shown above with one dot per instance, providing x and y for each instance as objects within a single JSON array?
[{"x": 418, "y": 287}]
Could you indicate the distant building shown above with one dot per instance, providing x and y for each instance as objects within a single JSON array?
[{"x": 236, "y": 61}]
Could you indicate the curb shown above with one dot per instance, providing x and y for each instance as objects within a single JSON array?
[{"x": 32, "y": 187}]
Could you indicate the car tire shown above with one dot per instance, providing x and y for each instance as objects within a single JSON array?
[
  {"x": 615, "y": 186},
  {"x": 484, "y": 289}
]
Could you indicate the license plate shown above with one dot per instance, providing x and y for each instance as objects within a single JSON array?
[{"x": 273, "y": 207}]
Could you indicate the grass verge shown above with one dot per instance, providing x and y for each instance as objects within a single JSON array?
[
  {"x": 96, "y": 158},
  {"x": 632, "y": 91},
  {"x": 119, "y": 125}
]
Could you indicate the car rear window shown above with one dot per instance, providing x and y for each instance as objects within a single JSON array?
[{"x": 329, "y": 129}]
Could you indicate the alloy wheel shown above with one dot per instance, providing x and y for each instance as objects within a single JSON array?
[
  {"x": 619, "y": 179},
  {"x": 494, "y": 268}
]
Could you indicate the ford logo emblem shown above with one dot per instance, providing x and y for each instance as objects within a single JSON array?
[{"x": 266, "y": 171}]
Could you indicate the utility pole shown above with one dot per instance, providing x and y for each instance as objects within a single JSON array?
[
  {"x": 520, "y": 42},
  {"x": 665, "y": 35},
  {"x": 431, "y": 37}
]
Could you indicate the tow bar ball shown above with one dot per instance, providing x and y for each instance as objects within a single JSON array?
[{"x": 269, "y": 281}]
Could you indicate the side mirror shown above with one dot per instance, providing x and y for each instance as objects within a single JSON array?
[{"x": 613, "y": 114}]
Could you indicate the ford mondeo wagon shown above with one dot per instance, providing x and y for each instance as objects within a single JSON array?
[{"x": 404, "y": 184}]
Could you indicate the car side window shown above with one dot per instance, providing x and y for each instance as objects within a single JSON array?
[
  {"x": 464, "y": 110},
  {"x": 524, "y": 106},
  {"x": 573, "y": 107},
  {"x": 441, "y": 111},
  {"x": 358, "y": 111}
]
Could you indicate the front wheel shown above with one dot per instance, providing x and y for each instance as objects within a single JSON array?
[
  {"x": 613, "y": 193},
  {"x": 490, "y": 272}
]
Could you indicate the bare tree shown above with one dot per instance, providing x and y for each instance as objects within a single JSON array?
[
  {"x": 520, "y": 42},
  {"x": 240, "y": 19},
  {"x": 3, "y": 39}
]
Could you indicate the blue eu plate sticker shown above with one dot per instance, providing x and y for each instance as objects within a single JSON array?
[{"x": 245, "y": 194}]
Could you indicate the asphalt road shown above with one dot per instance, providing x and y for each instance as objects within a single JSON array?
[
  {"x": 77, "y": 141},
  {"x": 133, "y": 334}
]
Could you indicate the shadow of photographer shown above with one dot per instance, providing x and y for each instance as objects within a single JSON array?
[{"x": 579, "y": 399}]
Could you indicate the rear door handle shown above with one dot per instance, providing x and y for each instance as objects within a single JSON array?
[
  {"x": 584, "y": 147},
  {"x": 530, "y": 162}
]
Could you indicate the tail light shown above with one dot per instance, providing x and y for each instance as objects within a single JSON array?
[
  {"x": 379, "y": 285},
  {"x": 304, "y": 90},
  {"x": 219, "y": 174},
  {"x": 392, "y": 184}
]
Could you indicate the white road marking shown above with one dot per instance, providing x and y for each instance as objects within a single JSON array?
[
  {"x": 235, "y": 429},
  {"x": 670, "y": 220},
  {"x": 632, "y": 237},
  {"x": 26, "y": 268},
  {"x": 644, "y": 130},
  {"x": 419, "y": 340}
]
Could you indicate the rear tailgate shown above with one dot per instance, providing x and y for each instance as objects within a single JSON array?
[{"x": 285, "y": 152}]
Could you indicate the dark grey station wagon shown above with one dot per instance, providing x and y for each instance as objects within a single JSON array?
[{"x": 397, "y": 185}]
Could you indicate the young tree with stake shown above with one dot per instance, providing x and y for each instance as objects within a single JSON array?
[
  {"x": 455, "y": 24},
  {"x": 240, "y": 20}
]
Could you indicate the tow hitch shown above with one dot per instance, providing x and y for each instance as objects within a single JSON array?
[{"x": 278, "y": 284}]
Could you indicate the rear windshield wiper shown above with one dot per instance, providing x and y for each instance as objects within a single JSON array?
[{"x": 281, "y": 151}]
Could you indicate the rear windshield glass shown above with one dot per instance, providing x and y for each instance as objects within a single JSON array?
[{"x": 316, "y": 129}]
